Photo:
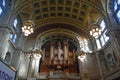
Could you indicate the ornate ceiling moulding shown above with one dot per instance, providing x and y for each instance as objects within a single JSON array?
[
  {"x": 54, "y": 32},
  {"x": 57, "y": 31},
  {"x": 56, "y": 36},
  {"x": 61, "y": 20},
  {"x": 61, "y": 28}
]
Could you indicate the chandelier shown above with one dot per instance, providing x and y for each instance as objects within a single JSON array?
[
  {"x": 27, "y": 29},
  {"x": 95, "y": 30}
]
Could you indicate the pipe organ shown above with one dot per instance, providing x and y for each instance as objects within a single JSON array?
[
  {"x": 59, "y": 53},
  {"x": 59, "y": 56}
]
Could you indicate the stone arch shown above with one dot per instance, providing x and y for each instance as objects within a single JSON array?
[
  {"x": 7, "y": 57},
  {"x": 109, "y": 6},
  {"x": 110, "y": 59}
]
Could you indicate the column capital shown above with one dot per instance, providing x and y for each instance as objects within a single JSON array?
[
  {"x": 6, "y": 27},
  {"x": 110, "y": 21}
]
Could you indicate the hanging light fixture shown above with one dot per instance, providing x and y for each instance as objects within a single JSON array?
[
  {"x": 95, "y": 30},
  {"x": 28, "y": 27}
]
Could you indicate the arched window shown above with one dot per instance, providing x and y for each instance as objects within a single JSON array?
[
  {"x": 1, "y": 10},
  {"x": 103, "y": 37},
  {"x": 2, "y": 6},
  {"x": 7, "y": 57},
  {"x": 3, "y": 3},
  {"x": 117, "y": 9},
  {"x": 15, "y": 23},
  {"x": 13, "y": 37},
  {"x": 110, "y": 59}
]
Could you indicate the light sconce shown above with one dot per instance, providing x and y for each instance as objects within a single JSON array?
[
  {"x": 37, "y": 54},
  {"x": 34, "y": 53},
  {"x": 27, "y": 29},
  {"x": 82, "y": 56},
  {"x": 95, "y": 30}
]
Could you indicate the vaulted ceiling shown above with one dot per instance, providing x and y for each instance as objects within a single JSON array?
[{"x": 70, "y": 18}]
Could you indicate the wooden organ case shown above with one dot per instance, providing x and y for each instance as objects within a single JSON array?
[{"x": 59, "y": 57}]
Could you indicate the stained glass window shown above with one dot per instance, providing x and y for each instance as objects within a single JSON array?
[
  {"x": 3, "y": 3},
  {"x": 115, "y": 6},
  {"x": 2, "y": 6},
  {"x": 117, "y": 10},
  {"x": 98, "y": 44},
  {"x": 13, "y": 37},
  {"x": 118, "y": 1},
  {"x": 118, "y": 15},
  {"x": 102, "y": 25},
  {"x": 15, "y": 23},
  {"x": 103, "y": 38},
  {"x": 106, "y": 38},
  {"x": 1, "y": 10}
]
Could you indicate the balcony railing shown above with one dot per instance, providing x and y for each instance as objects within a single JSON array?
[{"x": 56, "y": 76}]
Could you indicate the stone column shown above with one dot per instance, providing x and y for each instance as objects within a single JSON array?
[
  {"x": 37, "y": 65},
  {"x": 4, "y": 37},
  {"x": 20, "y": 41},
  {"x": 99, "y": 65},
  {"x": 80, "y": 67},
  {"x": 20, "y": 63},
  {"x": 102, "y": 64},
  {"x": 115, "y": 42},
  {"x": 31, "y": 66},
  {"x": 16, "y": 59},
  {"x": 113, "y": 33}
]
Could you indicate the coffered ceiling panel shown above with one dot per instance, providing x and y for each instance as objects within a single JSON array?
[{"x": 73, "y": 15}]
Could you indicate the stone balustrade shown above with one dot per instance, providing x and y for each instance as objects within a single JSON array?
[{"x": 56, "y": 76}]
